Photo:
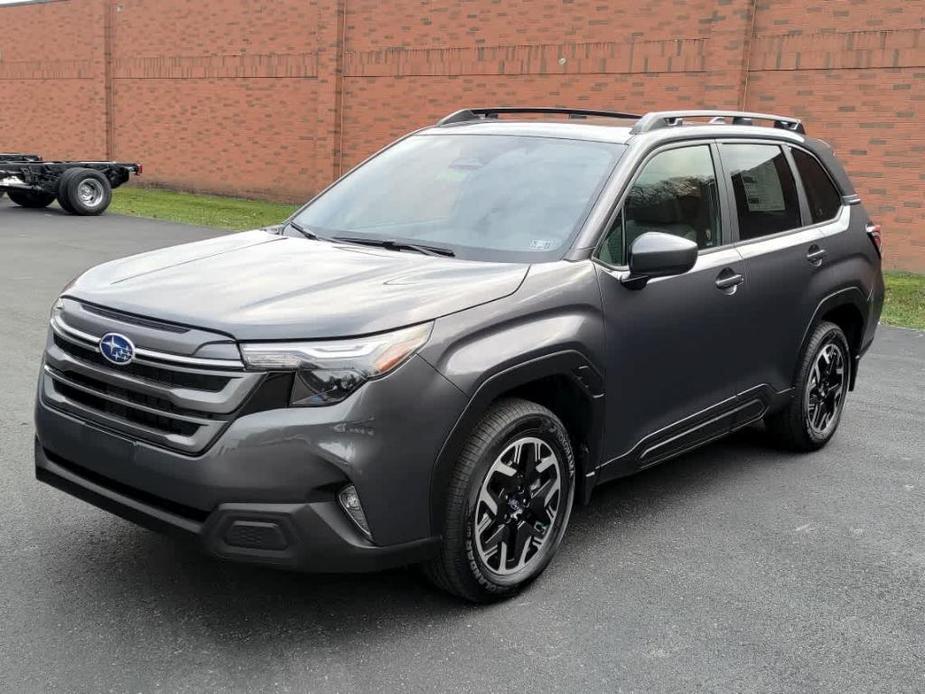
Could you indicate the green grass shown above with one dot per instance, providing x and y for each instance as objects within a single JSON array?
[
  {"x": 202, "y": 210},
  {"x": 905, "y": 292},
  {"x": 905, "y": 300}
]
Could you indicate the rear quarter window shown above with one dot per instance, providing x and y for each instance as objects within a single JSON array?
[{"x": 821, "y": 196}]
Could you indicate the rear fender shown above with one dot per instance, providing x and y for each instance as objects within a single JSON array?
[{"x": 849, "y": 296}]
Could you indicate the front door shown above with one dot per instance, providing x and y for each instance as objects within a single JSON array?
[{"x": 670, "y": 381}]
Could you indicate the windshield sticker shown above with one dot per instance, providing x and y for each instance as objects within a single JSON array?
[{"x": 540, "y": 245}]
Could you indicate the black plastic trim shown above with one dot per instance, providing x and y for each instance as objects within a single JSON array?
[{"x": 467, "y": 115}]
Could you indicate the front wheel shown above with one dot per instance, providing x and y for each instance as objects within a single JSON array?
[
  {"x": 811, "y": 417},
  {"x": 508, "y": 504}
]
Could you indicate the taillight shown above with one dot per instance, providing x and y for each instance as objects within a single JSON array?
[
  {"x": 873, "y": 233},
  {"x": 139, "y": 169}
]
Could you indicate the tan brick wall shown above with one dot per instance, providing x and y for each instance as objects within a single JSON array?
[{"x": 275, "y": 97}]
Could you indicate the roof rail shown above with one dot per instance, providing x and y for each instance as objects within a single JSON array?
[
  {"x": 669, "y": 119},
  {"x": 475, "y": 114}
]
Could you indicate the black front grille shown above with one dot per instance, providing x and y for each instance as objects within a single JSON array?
[
  {"x": 159, "y": 398},
  {"x": 134, "y": 396},
  {"x": 167, "y": 377},
  {"x": 126, "y": 413}
]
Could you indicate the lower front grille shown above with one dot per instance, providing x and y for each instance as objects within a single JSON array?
[{"x": 126, "y": 413}]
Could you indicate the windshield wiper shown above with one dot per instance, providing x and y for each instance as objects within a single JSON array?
[
  {"x": 394, "y": 245},
  {"x": 307, "y": 233}
]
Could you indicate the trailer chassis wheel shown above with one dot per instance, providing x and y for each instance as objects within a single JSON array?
[
  {"x": 62, "y": 191},
  {"x": 84, "y": 192},
  {"x": 31, "y": 198}
]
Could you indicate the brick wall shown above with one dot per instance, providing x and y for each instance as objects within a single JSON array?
[
  {"x": 52, "y": 78},
  {"x": 276, "y": 97}
]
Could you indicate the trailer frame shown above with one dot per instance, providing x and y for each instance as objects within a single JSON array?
[{"x": 81, "y": 187}]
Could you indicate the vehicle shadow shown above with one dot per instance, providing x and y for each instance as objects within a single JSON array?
[
  {"x": 8, "y": 207},
  {"x": 125, "y": 568}
]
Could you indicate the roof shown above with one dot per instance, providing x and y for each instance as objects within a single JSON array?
[
  {"x": 617, "y": 127},
  {"x": 598, "y": 130}
]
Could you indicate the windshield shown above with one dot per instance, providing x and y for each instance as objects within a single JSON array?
[{"x": 487, "y": 197}]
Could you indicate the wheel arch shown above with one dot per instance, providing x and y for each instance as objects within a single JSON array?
[
  {"x": 846, "y": 308},
  {"x": 565, "y": 382}
]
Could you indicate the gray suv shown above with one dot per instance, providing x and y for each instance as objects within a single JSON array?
[{"x": 439, "y": 355}]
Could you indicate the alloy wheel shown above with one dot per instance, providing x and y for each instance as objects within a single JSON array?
[
  {"x": 825, "y": 389},
  {"x": 517, "y": 506}
]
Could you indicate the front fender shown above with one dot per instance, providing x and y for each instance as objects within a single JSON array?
[
  {"x": 552, "y": 326},
  {"x": 568, "y": 363}
]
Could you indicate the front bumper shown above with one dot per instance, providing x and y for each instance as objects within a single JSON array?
[
  {"x": 310, "y": 536},
  {"x": 265, "y": 491}
]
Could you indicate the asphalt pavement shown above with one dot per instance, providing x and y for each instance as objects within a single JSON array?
[{"x": 735, "y": 568}]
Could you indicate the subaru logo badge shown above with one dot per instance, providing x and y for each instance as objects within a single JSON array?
[{"x": 117, "y": 348}]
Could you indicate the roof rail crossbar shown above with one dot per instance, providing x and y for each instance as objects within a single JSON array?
[
  {"x": 669, "y": 119},
  {"x": 475, "y": 114}
]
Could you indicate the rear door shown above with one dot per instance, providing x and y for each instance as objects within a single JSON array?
[{"x": 782, "y": 251}]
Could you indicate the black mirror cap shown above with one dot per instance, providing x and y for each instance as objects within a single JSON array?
[{"x": 655, "y": 254}]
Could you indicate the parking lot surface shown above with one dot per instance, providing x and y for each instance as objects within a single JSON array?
[{"x": 735, "y": 568}]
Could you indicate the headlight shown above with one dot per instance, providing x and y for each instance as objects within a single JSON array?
[{"x": 329, "y": 371}]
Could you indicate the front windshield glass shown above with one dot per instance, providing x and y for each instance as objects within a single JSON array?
[{"x": 488, "y": 197}]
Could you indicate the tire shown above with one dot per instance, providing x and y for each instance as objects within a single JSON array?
[
  {"x": 811, "y": 417},
  {"x": 62, "y": 191},
  {"x": 517, "y": 542},
  {"x": 32, "y": 198},
  {"x": 86, "y": 192}
]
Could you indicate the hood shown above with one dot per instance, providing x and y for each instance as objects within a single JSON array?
[{"x": 258, "y": 286}]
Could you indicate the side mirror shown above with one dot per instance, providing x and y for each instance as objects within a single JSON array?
[{"x": 655, "y": 254}]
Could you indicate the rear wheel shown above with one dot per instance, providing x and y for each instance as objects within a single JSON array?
[
  {"x": 85, "y": 192},
  {"x": 810, "y": 419},
  {"x": 62, "y": 191},
  {"x": 508, "y": 504},
  {"x": 31, "y": 198}
]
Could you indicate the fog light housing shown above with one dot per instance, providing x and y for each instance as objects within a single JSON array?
[{"x": 350, "y": 502}]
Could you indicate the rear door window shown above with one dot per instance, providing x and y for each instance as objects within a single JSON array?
[
  {"x": 821, "y": 196},
  {"x": 765, "y": 190}
]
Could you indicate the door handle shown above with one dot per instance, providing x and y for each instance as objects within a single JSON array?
[
  {"x": 815, "y": 255},
  {"x": 728, "y": 280}
]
